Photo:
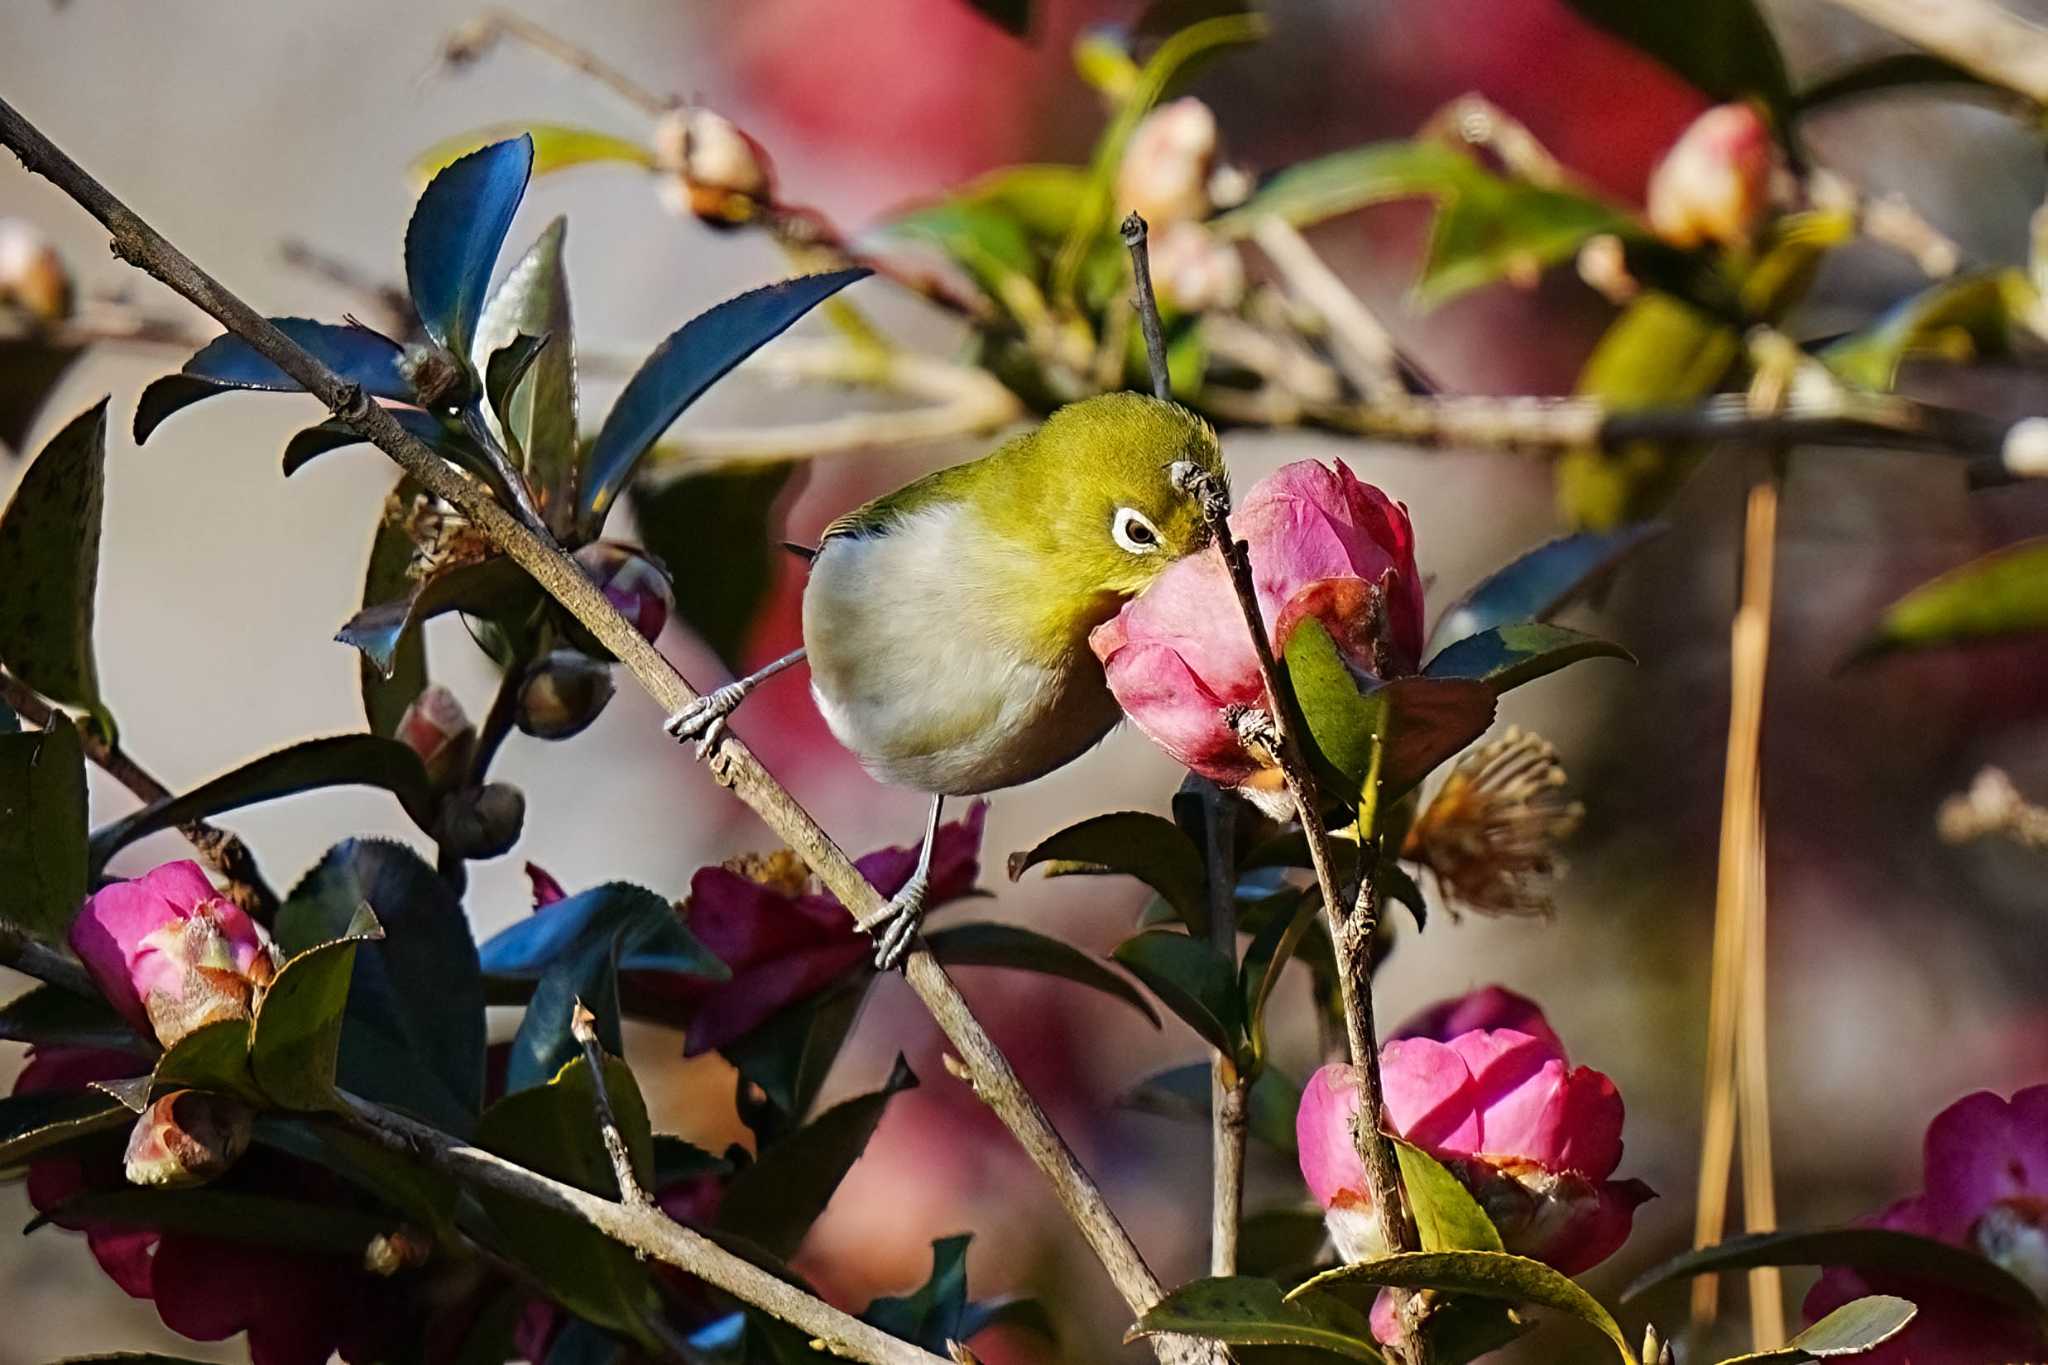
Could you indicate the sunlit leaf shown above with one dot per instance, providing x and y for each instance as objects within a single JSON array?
[
  {"x": 1244, "y": 1311},
  {"x": 987, "y": 944},
  {"x": 1447, "y": 1217},
  {"x": 1723, "y": 47},
  {"x": 2002, "y": 595},
  {"x": 1505, "y": 657},
  {"x": 50, "y": 562},
  {"x": 539, "y": 412},
  {"x": 46, "y": 1119},
  {"x": 227, "y": 363},
  {"x": 1487, "y": 1274},
  {"x": 1857, "y": 1326},
  {"x": 1191, "y": 978},
  {"x": 456, "y": 232},
  {"x": 1422, "y": 721},
  {"x": 1537, "y": 585},
  {"x": 1958, "y": 319},
  {"x": 1135, "y": 844},
  {"x": 713, "y": 530},
  {"x": 556, "y": 147},
  {"x": 1878, "y": 1250},
  {"x": 211, "y": 1057},
  {"x": 296, "y": 1035},
  {"x": 43, "y": 853}
]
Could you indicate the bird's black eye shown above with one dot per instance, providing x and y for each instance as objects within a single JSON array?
[{"x": 1134, "y": 532}]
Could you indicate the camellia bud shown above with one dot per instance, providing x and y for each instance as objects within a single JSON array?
[
  {"x": 187, "y": 1137},
  {"x": 634, "y": 581},
  {"x": 562, "y": 695},
  {"x": 1165, "y": 171},
  {"x": 404, "y": 1248},
  {"x": 32, "y": 274},
  {"x": 481, "y": 822},
  {"x": 1195, "y": 270},
  {"x": 1714, "y": 185},
  {"x": 714, "y": 171},
  {"x": 435, "y": 728}
]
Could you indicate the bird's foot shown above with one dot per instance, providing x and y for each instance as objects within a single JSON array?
[
  {"x": 895, "y": 926},
  {"x": 704, "y": 719}
]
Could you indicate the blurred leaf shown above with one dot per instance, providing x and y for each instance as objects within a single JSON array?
[
  {"x": 1192, "y": 979},
  {"x": 1281, "y": 1242},
  {"x": 34, "y": 367},
  {"x": 556, "y": 147},
  {"x": 489, "y": 587},
  {"x": 457, "y": 229},
  {"x": 1183, "y": 1092},
  {"x": 42, "y": 829},
  {"x": 50, "y": 558},
  {"x": 1447, "y": 1217},
  {"x": 692, "y": 359},
  {"x": 773, "y": 1202},
  {"x": 335, "y": 761},
  {"x": 228, "y": 363},
  {"x": 1959, "y": 319},
  {"x": 1395, "y": 886},
  {"x": 49, "y": 1016},
  {"x": 37, "y": 1122},
  {"x": 296, "y": 1034},
  {"x": 789, "y": 1056},
  {"x": 1133, "y": 844},
  {"x": 1866, "y": 1249},
  {"x": 539, "y": 412},
  {"x": 413, "y": 1034},
  {"x": 1505, "y": 657},
  {"x": 1723, "y": 47},
  {"x": 931, "y": 1317},
  {"x": 334, "y": 434},
  {"x": 211, "y": 1057},
  {"x": 1857, "y": 1326},
  {"x": 987, "y": 944},
  {"x": 2003, "y": 594},
  {"x": 1894, "y": 71},
  {"x": 1271, "y": 948},
  {"x": 1794, "y": 249},
  {"x": 1537, "y": 585},
  {"x": 1486, "y": 1274},
  {"x": 1243, "y": 1311},
  {"x": 711, "y": 528},
  {"x": 388, "y": 576}
]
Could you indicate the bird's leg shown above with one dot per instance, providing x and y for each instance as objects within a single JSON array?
[
  {"x": 896, "y": 923},
  {"x": 704, "y": 719}
]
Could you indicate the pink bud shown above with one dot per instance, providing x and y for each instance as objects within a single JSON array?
[
  {"x": 1165, "y": 171},
  {"x": 1195, "y": 269},
  {"x": 1714, "y": 185},
  {"x": 562, "y": 695},
  {"x": 634, "y": 581},
  {"x": 170, "y": 953},
  {"x": 32, "y": 274},
  {"x": 435, "y": 728},
  {"x": 187, "y": 1138}
]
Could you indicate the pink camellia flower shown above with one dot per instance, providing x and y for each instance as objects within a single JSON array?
[
  {"x": 170, "y": 953},
  {"x": 1986, "y": 1189},
  {"x": 634, "y": 581},
  {"x": 1714, "y": 185},
  {"x": 1323, "y": 544},
  {"x": 1492, "y": 1007},
  {"x": 1533, "y": 1139}
]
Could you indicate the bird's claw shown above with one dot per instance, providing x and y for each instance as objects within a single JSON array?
[
  {"x": 895, "y": 928},
  {"x": 704, "y": 719}
]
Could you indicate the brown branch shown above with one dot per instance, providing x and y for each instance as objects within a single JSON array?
[
  {"x": 41, "y": 961},
  {"x": 1976, "y": 35},
  {"x": 733, "y": 765},
  {"x": 474, "y": 38},
  {"x": 1229, "y": 1091},
  {"x": 583, "y": 1028}
]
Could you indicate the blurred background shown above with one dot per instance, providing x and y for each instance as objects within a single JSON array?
[{"x": 1903, "y": 972}]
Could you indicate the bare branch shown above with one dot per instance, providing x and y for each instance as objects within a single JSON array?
[
  {"x": 1367, "y": 352},
  {"x": 1228, "y": 1090},
  {"x": 1976, "y": 35},
  {"x": 39, "y": 960},
  {"x": 1147, "y": 304},
  {"x": 583, "y": 1028},
  {"x": 476, "y": 37}
]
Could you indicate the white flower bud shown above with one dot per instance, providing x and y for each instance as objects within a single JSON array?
[
  {"x": 712, "y": 169},
  {"x": 1165, "y": 172},
  {"x": 1195, "y": 270},
  {"x": 1714, "y": 185},
  {"x": 32, "y": 274}
]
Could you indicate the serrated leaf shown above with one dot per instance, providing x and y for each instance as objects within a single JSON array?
[
  {"x": 228, "y": 363},
  {"x": 388, "y": 577},
  {"x": 1487, "y": 1274},
  {"x": 211, "y": 1057},
  {"x": 1857, "y": 1326},
  {"x": 692, "y": 359},
  {"x": 50, "y": 558},
  {"x": 712, "y": 529},
  {"x": 539, "y": 411},
  {"x": 1134, "y": 844},
  {"x": 49, "y": 1016},
  {"x": 456, "y": 232},
  {"x": 490, "y": 587},
  {"x": 334, "y": 434},
  {"x": 1958, "y": 319},
  {"x": 1505, "y": 657},
  {"x": 987, "y": 944},
  {"x": 1723, "y": 47},
  {"x": 38, "y": 1122},
  {"x": 556, "y": 147},
  {"x": 1447, "y": 1217},
  {"x": 1243, "y": 1311},
  {"x": 2001, "y": 595},
  {"x": 1540, "y": 583},
  {"x": 43, "y": 851},
  {"x": 296, "y": 1036},
  {"x": 335, "y": 761},
  {"x": 1191, "y": 978}
]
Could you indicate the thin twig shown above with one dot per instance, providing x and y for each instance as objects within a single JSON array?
[
  {"x": 470, "y": 42},
  {"x": 1147, "y": 304},
  {"x": 1362, "y": 344},
  {"x": 39, "y": 960},
  {"x": 1976, "y": 35},
  {"x": 733, "y": 765},
  {"x": 1228, "y": 1089},
  {"x": 583, "y": 1028}
]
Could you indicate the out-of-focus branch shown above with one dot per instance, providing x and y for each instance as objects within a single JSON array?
[
  {"x": 1976, "y": 35},
  {"x": 1362, "y": 344},
  {"x": 480, "y": 34},
  {"x": 1991, "y": 807}
]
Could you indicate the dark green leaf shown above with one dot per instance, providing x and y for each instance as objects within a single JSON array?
[
  {"x": 456, "y": 232},
  {"x": 1021, "y": 949},
  {"x": 36, "y": 1122},
  {"x": 712, "y": 529},
  {"x": 1537, "y": 585},
  {"x": 264, "y": 1220},
  {"x": 1395, "y": 886},
  {"x": 386, "y": 578},
  {"x": 773, "y": 1202},
  {"x": 693, "y": 358},
  {"x": 1723, "y": 47},
  {"x": 1447, "y": 1217},
  {"x": 1243, "y": 1311},
  {"x": 336, "y": 761},
  {"x": 1857, "y": 1326},
  {"x": 42, "y": 829},
  {"x": 1272, "y": 947},
  {"x": 33, "y": 365},
  {"x": 1866, "y": 1249},
  {"x": 589, "y": 975},
  {"x": 490, "y": 587},
  {"x": 296, "y": 1036},
  {"x": 1896, "y": 71},
  {"x": 426, "y": 1196},
  {"x": 50, "y": 560},
  {"x": 652, "y": 933},
  {"x": 1958, "y": 319},
  {"x": 1464, "y": 1329},
  {"x": 211, "y": 1057},
  {"x": 932, "y": 1316},
  {"x": 228, "y": 363},
  {"x": 539, "y": 411},
  {"x": 1183, "y": 1092},
  {"x": 1152, "y": 849},
  {"x": 49, "y": 1016},
  {"x": 1192, "y": 979},
  {"x": 2001, "y": 595},
  {"x": 1486, "y": 1274},
  {"x": 789, "y": 1056},
  {"x": 1281, "y": 1243},
  {"x": 1505, "y": 657},
  {"x": 335, "y": 434}
]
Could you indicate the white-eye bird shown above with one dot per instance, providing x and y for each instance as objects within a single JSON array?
[{"x": 947, "y": 623}]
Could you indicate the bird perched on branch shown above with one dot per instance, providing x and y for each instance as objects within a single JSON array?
[{"x": 946, "y": 623}]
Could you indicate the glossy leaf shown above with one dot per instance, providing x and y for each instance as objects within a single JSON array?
[
  {"x": 1243, "y": 1311},
  {"x": 692, "y": 359},
  {"x": 228, "y": 363},
  {"x": 50, "y": 560},
  {"x": 335, "y": 761},
  {"x": 34, "y": 365},
  {"x": 1345, "y": 730},
  {"x": 1857, "y": 1326},
  {"x": 1447, "y": 1217},
  {"x": 456, "y": 232},
  {"x": 545, "y": 1043},
  {"x": 387, "y": 577},
  {"x": 1724, "y": 47},
  {"x": 296, "y": 1036},
  {"x": 1867, "y": 1249},
  {"x": 1505, "y": 657},
  {"x": 1537, "y": 585},
  {"x": 42, "y": 829},
  {"x": 789, "y": 1056},
  {"x": 1894, "y": 72},
  {"x": 1182, "y": 1092},
  {"x": 988, "y": 944},
  {"x": 211, "y": 1057},
  {"x": 335, "y": 434},
  {"x": 49, "y": 1016},
  {"x": 1133, "y": 844},
  {"x": 1486, "y": 1274},
  {"x": 538, "y": 412},
  {"x": 773, "y": 1202},
  {"x": 2002, "y": 595},
  {"x": 653, "y": 935},
  {"x": 38, "y": 1122},
  {"x": 1958, "y": 319},
  {"x": 487, "y": 587},
  {"x": 714, "y": 530},
  {"x": 1191, "y": 978}
]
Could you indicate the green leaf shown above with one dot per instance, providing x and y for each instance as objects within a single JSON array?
[
  {"x": 211, "y": 1057},
  {"x": 494, "y": 587},
  {"x": 42, "y": 829},
  {"x": 336, "y": 761},
  {"x": 1191, "y": 978},
  {"x": 296, "y": 1036},
  {"x": 544, "y": 1044},
  {"x": 49, "y": 1016},
  {"x": 1958, "y": 319},
  {"x": 1857, "y": 1326},
  {"x": 1486, "y": 1274},
  {"x": 1243, "y": 1311},
  {"x": 1281, "y": 1243},
  {"x": 37, "y": 1122},
  {"x": 1896, "y": 71},
  {"x": 933, "y": 1315},
  {"x": 556, "y": 147},
  {"x": 426, "y": 1196},
  {"x": 50, "y": 558},
  {"x": 987, "y": 944},
  {"x": 262, "y": 1220},
  {"x": 773, "y": 1202},
  {"x": 388, "y": 577},
  {"x": 1183, "y": 1092},
  {"x": 790, "y": 1055},
  {"x": 1723, "y": 47},
  {"x": 1012, "y": 17},
  {"x": 1866, "y": 1249},
  {"x": 1538, "y": 584},
  {"x": 1345, "y": 730},
  {"x": 1149, "y": 847},
  {"x": 1447, "y": 1217},
  {"x": 1271, "y": 949},
  {"x": 1505, "y": 657},
  {"x": 712, "y": 528},
  {"x": 2001, "y": 595},
  {"x": 538, "y": 412},
  {"x": 34, "y": 365}
]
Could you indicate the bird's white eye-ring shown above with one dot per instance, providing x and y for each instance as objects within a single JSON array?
[{"x": 1134, "y": 531}]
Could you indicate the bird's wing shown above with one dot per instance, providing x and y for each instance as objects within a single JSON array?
[{"x": 877, "y": 517}]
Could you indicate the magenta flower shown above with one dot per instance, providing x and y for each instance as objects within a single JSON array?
[
  {"x": 1493, "y": 1007},
  {"x": 633, "y": 581},
  {"x": 170, "y": 953},
  {"x": 1322, "y": 544},
  {"x": 1986, "y": 1175}
]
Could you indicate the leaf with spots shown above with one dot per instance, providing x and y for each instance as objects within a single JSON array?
[{"x": 50, "y": 560}]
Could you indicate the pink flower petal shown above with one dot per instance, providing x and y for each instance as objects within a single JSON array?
[
  {"x": 1492, "y": 1007},
  {"x": 1322, "y": 1135},
  {"x": 1517, "y": 1085},
  {"x": 1973, "y": 1160},
  {"x": 1430, "y": 1097},
  {"x": 732, "y": 1009},
  {"x": 183, "y": 884}
]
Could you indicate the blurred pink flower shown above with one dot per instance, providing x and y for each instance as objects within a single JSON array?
[
  {"x": 170, "y": 953},
  {"x": 1986, "y": 1177},
  {"x": 1491, "y": 1007},
  {"x": 1714, "y": 185},
  {"x": 1322, "y": 544},
  {"x": 634, "y": 582}
]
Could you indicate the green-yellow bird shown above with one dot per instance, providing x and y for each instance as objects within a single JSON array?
[{"x": 946, "y": 623}]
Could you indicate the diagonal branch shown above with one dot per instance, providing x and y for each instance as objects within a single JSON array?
[
  {"x": 1977, "y": 35},
  {"x": 583, "y": 1028}
]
